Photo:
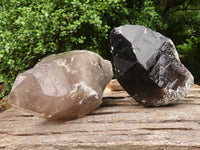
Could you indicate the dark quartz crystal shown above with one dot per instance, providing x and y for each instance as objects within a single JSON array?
[{"x": 147, "y": 66}]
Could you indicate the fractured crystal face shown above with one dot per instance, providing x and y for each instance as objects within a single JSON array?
[
  {"x": 148, "y": 67},
  {"x": 63, "y": 86}
]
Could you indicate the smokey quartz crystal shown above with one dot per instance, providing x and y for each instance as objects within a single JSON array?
[
  {"x": 63, "y": 86},
  {"x": 148, "y": 67}
]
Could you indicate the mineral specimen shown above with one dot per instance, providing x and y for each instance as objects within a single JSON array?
[
  {"x": 148, "y": 67},
  {"x": 63, "y": 86}
]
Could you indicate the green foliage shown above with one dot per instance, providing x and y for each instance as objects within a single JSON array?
[
  {"x": 150, "y": 17},
  {"x": 183, "y": 25},
  {"x": 31, "y": 30},
  {"x": 183, "y": 20},
  {"x": 189, "y": 53}
]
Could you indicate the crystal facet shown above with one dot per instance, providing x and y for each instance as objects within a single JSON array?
[
  {"x": 148, "y": 67},
  {"x": 63, "y": 86}
]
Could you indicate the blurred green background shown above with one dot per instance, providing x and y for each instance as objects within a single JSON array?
[{"x": 33, "y": 29}]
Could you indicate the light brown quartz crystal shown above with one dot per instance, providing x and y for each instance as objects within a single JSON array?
[{"x": 63, "y": 86}]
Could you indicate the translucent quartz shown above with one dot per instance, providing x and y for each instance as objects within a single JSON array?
[{"x": 63, "y": 86}]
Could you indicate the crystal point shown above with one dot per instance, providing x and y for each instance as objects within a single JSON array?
[
  {"x": 63, "y": 86},
  {"x": 148, "y": 67}
]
